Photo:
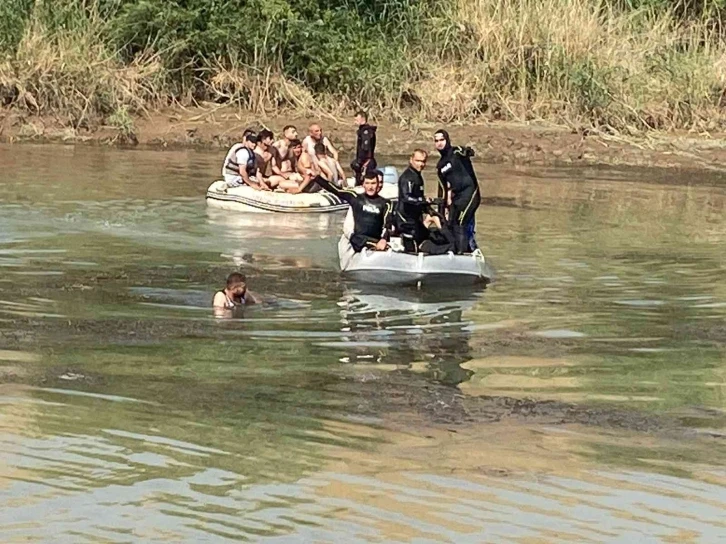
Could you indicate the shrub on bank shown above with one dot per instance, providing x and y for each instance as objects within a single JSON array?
[{"x": 625, "y": 64}]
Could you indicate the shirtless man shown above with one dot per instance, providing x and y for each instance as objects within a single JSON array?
[
  {"x": 301, "y": 180},
  {"x": 268, "y": 170},
  {"x": 329, "y": 167},
  {"x": 234, "y": 296},
  {"x": 283, "y": 147},
  {"x": 315, "y": 136}
]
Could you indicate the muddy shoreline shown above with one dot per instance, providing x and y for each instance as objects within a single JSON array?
[{"x": 531, "y": 144}]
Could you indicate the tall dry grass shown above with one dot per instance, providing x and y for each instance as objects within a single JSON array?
[
  {"x": 576, "y": 62},
  {"x": 75, "y": 75}
]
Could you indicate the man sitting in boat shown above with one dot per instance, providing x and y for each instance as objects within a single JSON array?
[
  {"x": 370, "y": 211},
  {"x": 303, "y": 169},
  {"x": 283, "y": 147},
  {"x": 240, "y": 164},
  {"x": 315, "y": 136},
  {"x": 268, "y": 162},
  {"x": 328, "y": 166}
]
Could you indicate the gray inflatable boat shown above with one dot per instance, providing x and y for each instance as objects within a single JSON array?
[{"x": 397, "y": 268}]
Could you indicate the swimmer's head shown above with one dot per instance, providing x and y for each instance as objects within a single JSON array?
[{"x": 237, "y": 284}]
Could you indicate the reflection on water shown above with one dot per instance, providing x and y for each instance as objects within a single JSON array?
[{"x": 581, "y": 397}]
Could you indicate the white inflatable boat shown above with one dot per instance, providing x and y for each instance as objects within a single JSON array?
[
  {"x": 393, "y": 267},
  {"x": 247, "y": 199}
]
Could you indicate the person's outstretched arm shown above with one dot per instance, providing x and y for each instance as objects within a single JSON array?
[{"x": 346, "y": 195}]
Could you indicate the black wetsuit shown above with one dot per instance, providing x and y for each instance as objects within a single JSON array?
[
  {"x": 409, "y": 210},
  {"x": 456, "y": 174},
  {"x": 365, "y": 150},
  {"x": 370, "y": 215},
  {"x": 439, "y": 241}
]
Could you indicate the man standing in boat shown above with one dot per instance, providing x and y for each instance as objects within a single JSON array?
[
  {"x": 459, "y": 188},
  {"x": 365, "y": 147},
  {"x": 371, "y": 212},
  {"x": 412, "y": 203},
  {"x": 240, "y": 164}
]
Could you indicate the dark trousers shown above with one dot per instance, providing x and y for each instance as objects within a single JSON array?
[
  {"x": 461, "y": 214},
  {"x": 360, "y": 169},
  {"x": 413, "y": 233},
  {"x": 359, "y": 242}
]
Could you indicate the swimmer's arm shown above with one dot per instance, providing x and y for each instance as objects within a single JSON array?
[{"x": 220, "y": 301}]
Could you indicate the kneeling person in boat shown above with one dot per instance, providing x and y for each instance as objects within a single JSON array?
[
  {"x": 371, "y": 212},
  {"x": 240, "y": 164}
]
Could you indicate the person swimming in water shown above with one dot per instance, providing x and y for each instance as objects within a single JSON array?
[{"x": 235, "y": 294}]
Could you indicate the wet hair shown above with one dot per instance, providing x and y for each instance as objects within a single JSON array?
[
  {"x": 251, "y": 137},
  {"x": 235, "y": 278},
  {"x": 320, "y": 149},
  {"x": 295, "y": 143},
  {"x": 288, "y": 127},
  {"x": 362, "y": 114},
  {"x": 263, "y": 134}
]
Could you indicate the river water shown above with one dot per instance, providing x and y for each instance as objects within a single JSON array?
[{"x": 580, "y": 397}]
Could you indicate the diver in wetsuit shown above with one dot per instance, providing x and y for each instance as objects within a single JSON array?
[
  {"x": 371, "y": 212},
  {"x": 459, "y": 186},
  {"x": 412, "y": 204},
  {"x": 365, "y": 148}
]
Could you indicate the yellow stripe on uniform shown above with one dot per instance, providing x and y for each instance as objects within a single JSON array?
[{"x": 462, "y": 214}]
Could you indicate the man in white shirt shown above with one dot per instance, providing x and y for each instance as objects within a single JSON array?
[{"x": 240, "y": 164}]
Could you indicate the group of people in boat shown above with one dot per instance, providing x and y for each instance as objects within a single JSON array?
[
  {"x": 288, "y": 164},
  {"x": 424, "y": 225}
]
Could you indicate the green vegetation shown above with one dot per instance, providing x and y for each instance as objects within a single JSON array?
[{"x": 629, "y": 65}]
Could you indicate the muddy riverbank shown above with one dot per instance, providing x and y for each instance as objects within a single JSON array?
[{"x": 546, "y": 145}]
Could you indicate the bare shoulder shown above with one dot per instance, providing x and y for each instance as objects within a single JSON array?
[{"x": 220, "y": 300}]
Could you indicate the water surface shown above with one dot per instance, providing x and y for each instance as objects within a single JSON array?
[{"x": 581, "y": 397}]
